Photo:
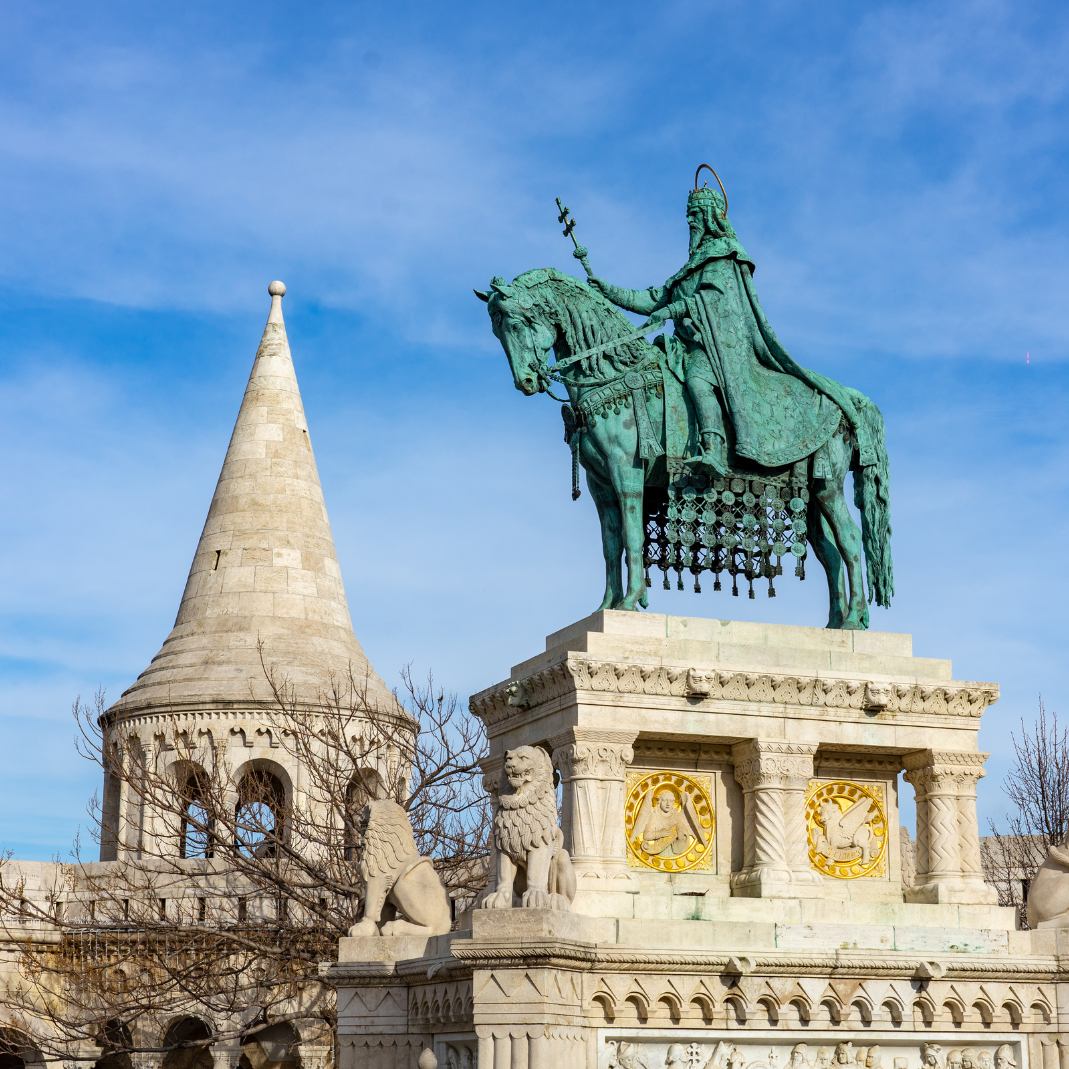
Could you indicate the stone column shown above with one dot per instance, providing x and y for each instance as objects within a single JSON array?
[
  {"x": 226, "y": 1055},
  {"x": 773, "y": 776},
  {"x": 948, "y": 836},
  {"x": 593, "y": 770},
  {"x": 313, "y": 1056}
]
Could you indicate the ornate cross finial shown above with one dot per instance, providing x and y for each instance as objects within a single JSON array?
[
  {"x": 569, "y": 224},
  {"x": 579, "y": 252}
]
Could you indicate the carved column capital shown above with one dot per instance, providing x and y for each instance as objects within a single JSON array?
[
  {"x": 765, "y": 763},
  {"x": 944, "y": 771},
  {"x": 582, "y": 754}
]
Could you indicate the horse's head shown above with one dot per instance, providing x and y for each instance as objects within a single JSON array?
[{"x": 523, "y": 332}]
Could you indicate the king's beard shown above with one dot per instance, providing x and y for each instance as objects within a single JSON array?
[{"x": 697, "y": 233}]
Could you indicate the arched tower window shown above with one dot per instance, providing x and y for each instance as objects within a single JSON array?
[
  {"x": 188, "y": 1030},
  {"x": 261, "y": 813},
  {"x": 114, "y": 1036},
  {"x": 16, "y": 1051},
  {"x": 198, "y": 839}
]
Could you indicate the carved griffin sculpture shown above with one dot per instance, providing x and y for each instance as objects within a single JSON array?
[
  {"x": 529, "y": 847},
  {"x": 1048, "y": 893},
  {"x": 402, "y": 892}
]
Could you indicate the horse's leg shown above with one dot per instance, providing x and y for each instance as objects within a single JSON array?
[
  {"x": 628, "y": 481},
  {"x": 847, "y": 536},
  {"x": 826, "y": 551},
  {"x": 612, "y": 544}
]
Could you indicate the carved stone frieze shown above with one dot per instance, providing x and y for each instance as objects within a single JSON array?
[
  {"x": 625, "y": 677},
  {"x": 833, "y": 760},
  {"x": 855, "y": 1050},
  {"x": 662, "y": 750}
]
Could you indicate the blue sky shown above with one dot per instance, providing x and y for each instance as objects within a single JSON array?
[{"x": 898, "y": 171}]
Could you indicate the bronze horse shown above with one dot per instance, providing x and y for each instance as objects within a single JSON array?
[{"x": 545, "y": 310}]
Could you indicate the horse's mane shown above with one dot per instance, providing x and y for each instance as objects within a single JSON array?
[{"x": 586, "y": 317}]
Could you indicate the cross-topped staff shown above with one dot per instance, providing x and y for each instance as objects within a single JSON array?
[{"x": 579, "y": 252}]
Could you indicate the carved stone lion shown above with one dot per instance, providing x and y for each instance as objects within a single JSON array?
[
  {"x": 529, "y": 847},
  {"x": 402, "y": 892}
]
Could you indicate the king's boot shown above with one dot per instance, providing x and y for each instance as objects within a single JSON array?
[{"x": 714, "y": 454}]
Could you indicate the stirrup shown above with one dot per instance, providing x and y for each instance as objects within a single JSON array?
[{"x": 705, "y": 460}]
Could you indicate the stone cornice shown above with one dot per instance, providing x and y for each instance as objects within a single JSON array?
[
  {"x": 577, "y": 673},
  {"x": 574, "y": 955}
]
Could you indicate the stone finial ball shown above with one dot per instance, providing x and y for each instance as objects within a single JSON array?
[
  {"x": 427, "y": 1060},
  {"x": 277, "y": 289}
]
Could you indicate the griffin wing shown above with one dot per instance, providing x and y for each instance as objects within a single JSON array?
[{"x": 859, "y": 813}]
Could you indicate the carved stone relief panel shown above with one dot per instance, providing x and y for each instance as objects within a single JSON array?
[
  {"x": 846, "y": 825},
  {"x": 670, "y": 821},
  {"x": 639, "y": 1049},
  {"x": 457, "y": 1051}
]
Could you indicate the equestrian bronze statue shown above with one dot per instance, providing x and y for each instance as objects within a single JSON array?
[{"x": 709, "y": 449}]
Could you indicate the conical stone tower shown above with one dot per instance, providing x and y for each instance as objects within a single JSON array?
[{"x": 265, "y": 575}]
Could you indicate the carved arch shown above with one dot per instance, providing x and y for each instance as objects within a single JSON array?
[
  {"x": 735, "y": 1011},
  {"x": 952, "y": 1013},
  {"x": 606, "y": 1003},
  {"x": 705, "y": 1005},
  {"x": 982, "y": 1013},
  {"x": 923, "y": 1013},
  {"x": 1012, "y": 1014},
  {"x": 769, "y": 1009},
  {"x": 1040, "y": 1012},
  {"x": 892, "y": 1011},
  {"x": 640, "y": 1004},
  {"x": 861, "y": 1010},
  {"x": 829, "y": 1011},
  {"x": 798, "y": 1012},
  {"x": 672, "y": 1004}
]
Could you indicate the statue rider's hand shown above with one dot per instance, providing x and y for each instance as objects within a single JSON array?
[{"x": 599, "y": 284}]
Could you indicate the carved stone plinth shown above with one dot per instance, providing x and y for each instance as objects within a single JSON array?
[
  {"x": 797, "y": 736},
  {"x": 729, "y": 796}
]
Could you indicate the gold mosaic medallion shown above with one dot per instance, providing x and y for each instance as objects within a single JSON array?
[
  {"x": 847, "y": 829},
  {"x": 669, "y": 821}
]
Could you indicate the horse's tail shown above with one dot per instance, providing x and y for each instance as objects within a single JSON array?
[{"x": 872, "y": 496}]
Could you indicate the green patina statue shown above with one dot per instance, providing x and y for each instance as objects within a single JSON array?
[{"x": 709, "y": 450}]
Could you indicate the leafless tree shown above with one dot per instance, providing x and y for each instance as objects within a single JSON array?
[
  {"x": 235, "y": 891},
  {"x": 1038, "y": 789}
]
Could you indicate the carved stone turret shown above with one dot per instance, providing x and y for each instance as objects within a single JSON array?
[{"x": 265, "y": 588}]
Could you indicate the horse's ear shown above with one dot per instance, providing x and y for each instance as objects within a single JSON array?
[
  {"x": 501, "y": 286},
  {"x": 483, "y": 295}
]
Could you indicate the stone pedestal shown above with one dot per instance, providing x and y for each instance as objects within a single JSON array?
[
  {"x": 730, "y": 802},
  {"x": 771, "y": 714}
]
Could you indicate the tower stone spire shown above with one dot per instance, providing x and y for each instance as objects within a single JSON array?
[{"x": 265, "y": 569}]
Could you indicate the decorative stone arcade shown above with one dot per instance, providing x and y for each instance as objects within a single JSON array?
[{"x": 730, "y": 807}]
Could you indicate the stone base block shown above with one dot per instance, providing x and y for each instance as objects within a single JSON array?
[{"x": 959, "y": 893}]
